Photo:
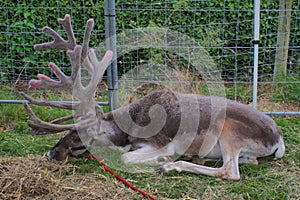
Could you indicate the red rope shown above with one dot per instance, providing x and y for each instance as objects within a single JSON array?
[{"x": 119, "y": 177}]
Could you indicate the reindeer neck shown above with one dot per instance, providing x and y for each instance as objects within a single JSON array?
[{"x": 115, "y": 134}]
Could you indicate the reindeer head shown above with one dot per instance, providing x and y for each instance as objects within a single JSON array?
[
  {"x": 70, "y": 145},
  {"x": 87, "y": 113}
]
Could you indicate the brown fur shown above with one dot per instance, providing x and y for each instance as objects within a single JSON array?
[{"x": 243, "y": 133}]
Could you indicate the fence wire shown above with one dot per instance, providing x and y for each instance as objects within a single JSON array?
[{"x": 221, "y": 29}]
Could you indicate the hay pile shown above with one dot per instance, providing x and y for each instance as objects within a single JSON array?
[{"x": 36, "y": 178}]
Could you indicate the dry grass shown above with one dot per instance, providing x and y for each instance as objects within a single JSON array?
[
  {"x": 267, "y": 105},
  {"x": 34, "y": 177}
]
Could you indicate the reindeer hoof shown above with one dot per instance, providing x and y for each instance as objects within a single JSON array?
[
  {"x": 166, "y": 168},
  {"x": 164, "y": 159},
  {"x": 161, "y": 159},
  {"x": 161, "y": 170}
]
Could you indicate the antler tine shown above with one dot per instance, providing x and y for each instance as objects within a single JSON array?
[
  {"x": 47, "y": 103},
  {"x": 39, "y": 124},
  {"x": 65, "y": 82},
  {"x": 98, "y": 69},
  {"x": 46, "y": 125},
  {"x": 86, "y": 39},
  {"x": 38, "y": 130},
  {"x": 85, "y": 46},
  {"x": 58, "y": 41},
  {"x": 75, "y": 57},
  {"x": 66, "y": 23},
  {"x": 46, "y": 82}
]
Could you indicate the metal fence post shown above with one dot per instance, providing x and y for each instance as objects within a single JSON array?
[
  {"x": 255, "y": 65},
  {"x": 256, "y": 44},
  {"x": 110, "y": 41}
]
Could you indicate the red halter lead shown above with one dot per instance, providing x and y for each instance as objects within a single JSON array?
[{"x": 119, "y": 177}]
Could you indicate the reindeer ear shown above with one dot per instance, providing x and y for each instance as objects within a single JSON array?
[{"x": 99, "y": 112}]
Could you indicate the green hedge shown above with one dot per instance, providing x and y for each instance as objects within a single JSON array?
[
  {"x": 22, "y": 25},
  {"x": 224, "y": 27}
]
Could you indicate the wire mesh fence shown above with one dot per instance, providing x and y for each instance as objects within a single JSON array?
[
  {"x": 224, "y": 30},
  {"x": 21, "y": 28},
  {"x": 187, "y": 45}
]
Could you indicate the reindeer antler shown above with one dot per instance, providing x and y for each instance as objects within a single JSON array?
[
  {"x": 59, "y": 42},
  {"x": 75, "y": 52},
  {"x": 79, "y": 55}
]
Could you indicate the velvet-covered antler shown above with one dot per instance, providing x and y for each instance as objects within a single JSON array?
[{"x": 80, "y": 56}]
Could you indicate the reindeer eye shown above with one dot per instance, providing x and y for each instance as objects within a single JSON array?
[{"x": 92, "y": 132}]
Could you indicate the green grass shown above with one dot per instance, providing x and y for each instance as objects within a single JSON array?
[{"x": 271, "y": 179}]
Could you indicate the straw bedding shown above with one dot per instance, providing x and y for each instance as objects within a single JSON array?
[{"x": 35, "y": 177}]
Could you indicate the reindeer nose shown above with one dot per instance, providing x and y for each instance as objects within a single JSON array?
[{"x": 50, "y": 155}]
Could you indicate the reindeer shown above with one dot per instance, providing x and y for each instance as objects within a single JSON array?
[{"x": 159, "y": 128}]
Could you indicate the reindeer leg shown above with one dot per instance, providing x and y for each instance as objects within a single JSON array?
[
  {"x": 248, "y": 160},
  {"x": 229, "y": 170},
  {"x": 150, "y": 155}
]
